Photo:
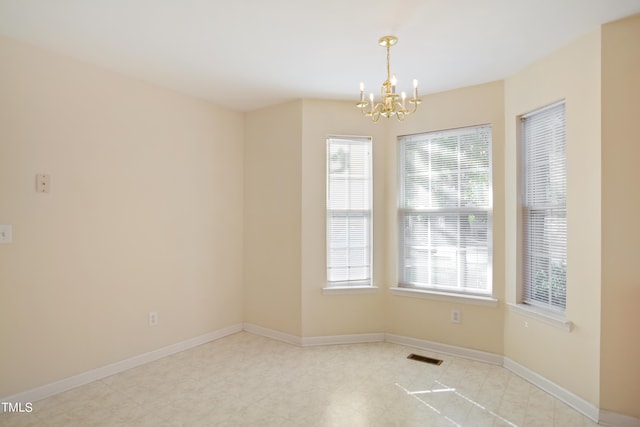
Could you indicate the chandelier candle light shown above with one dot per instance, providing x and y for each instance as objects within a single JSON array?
[{"x": 391, "y": 104}]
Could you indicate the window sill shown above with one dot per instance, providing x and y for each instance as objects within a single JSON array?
[
  {"x": 444, "y": 296},
  {"x": 543, "y": 316},
  {"x": 345, "y": 290}
]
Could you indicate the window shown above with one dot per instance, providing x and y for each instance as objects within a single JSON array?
[
  {"x": 349, "y": 181},
  {"x": 445, "y": 211},
  {"x": 544, "y": 208}
]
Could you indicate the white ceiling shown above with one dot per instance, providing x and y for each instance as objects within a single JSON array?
[{"x": 246, "y": 54}]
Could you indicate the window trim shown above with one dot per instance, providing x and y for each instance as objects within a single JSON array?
[
  {"x": 483, "y": 300},
  {"x": 545, "y": 312},
  {"x": 548, "y": 317},
  {"x": 349, "y": 286},
  {"x": 349, "y": 290},
  {"x": 408, "y": 289}
]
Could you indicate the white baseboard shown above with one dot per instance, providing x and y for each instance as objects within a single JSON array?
[
  {"x": 273, "y": 334},
  {"x": 605, "y": 418},
  {"x": 313, "y": 341},
  {"x": 375, "y": 337},
  {"x": 69, "y": 383},
  {"x": 342, "y": 339},
  {"x": 481, "y": 356},
  {"x": 617, "y": 420},
  {"x": 576, "y": 402}
]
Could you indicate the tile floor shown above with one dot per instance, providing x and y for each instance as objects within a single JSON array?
[{"x": 248, "y": 380}]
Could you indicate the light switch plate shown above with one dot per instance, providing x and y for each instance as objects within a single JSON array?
[{"x": 6, "y": 233}]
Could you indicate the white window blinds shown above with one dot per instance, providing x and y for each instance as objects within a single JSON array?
[
  {"x": 349, "y": 186},
  {"x": 445, "y": 210},
  {"x": 544, "y": 210}
]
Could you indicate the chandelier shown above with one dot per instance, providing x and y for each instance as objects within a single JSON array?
[{"x": 391, "y": 104}]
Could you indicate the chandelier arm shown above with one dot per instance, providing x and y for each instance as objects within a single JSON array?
[
  {"x": 415, "y": 103},
  {"x": 375, "y": 114},
  {"x": 390, "y": 104},
  {"x": 397, "y": 105}
]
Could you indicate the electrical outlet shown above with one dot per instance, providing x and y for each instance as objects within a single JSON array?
[
  {"x": 456, "y": 316},
  {"x": 153, "y": 318}
]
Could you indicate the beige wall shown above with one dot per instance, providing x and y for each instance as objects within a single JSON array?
[
  {"x": 285, "y": 221},
  {"x": 481, "y": 327},
  {"x": 322, "y": 314},
  {"x": 620, "y": 347},
  {"x": 272, "y": 218},
  {"x": 337, "y": 314},
  {"x": 161, "y": 202},
  {"x": 144, "y": 214},
  {"x": 570, "y": 359}
]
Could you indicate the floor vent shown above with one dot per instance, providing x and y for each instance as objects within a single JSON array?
[{"x": 424, "y": 359}]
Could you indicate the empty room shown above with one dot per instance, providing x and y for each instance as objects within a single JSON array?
[{"x": 338, "y": 213}]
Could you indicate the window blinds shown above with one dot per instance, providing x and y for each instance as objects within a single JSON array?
[
  {"x": 544, "y": 210},
  {"x": 445, "y": 215},
  {"x": 349, "y": 181}
]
